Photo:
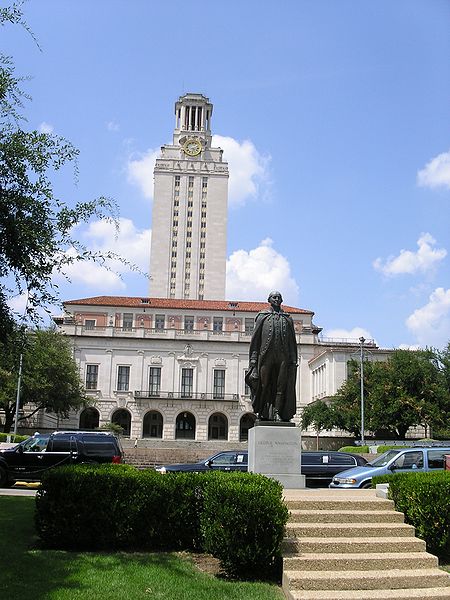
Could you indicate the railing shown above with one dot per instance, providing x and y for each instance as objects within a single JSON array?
[
  {"x": 345, "y": 341},
  {"x": 179, "y": 396}
]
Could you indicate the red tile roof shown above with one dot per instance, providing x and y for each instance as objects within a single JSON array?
[{"x": 140, "y": 302}]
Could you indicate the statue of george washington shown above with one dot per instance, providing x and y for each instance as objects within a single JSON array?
[{"x": 273, "y": 363}]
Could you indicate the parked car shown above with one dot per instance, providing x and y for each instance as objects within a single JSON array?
[
  {"x": 29, "y": 459},
  {"x": 319, "y": 467},
  {"x": 231, "y": 460},
  {"x": 403, "y": 460}
]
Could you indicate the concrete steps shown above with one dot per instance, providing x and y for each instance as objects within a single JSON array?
[{"x": 351, "y": 545}]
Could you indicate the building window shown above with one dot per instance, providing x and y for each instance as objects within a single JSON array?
[
  {"x": 153, "y": 425},
  {"x": 187, "y": 381},
  {"x": 123, "y": 378},
  {"x": 247, "y": 422},
  {"x": 154, "y": 382},
  {"x": 89, "y": 323},
  {"x": 89, "y": 418},
  {"x": 219, "y": 384},
  {"x": 249, "y": 325},
  {"x": 159, "y": 321},
  {"x": 203, "y": 234},
  {"x": 189, "y": 323},
  {"x": 91, "y": 377},
  {"x": 247, "y": 390},
  {"x": 177, "y": 181},
  {"x": 204, "y": 182},
  {"x": 185, "y": 426},
  {"x": 190, "y": 203},
  {"x": 123, "y": 418},
  {"x": 217, "y": 427},
  {"x": 127, "y": 321},
  {"x": 191, "y": 182},
  {"x": 217, "y": 324}
]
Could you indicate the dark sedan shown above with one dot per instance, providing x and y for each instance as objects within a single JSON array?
[{"x": 231, "y": 460}]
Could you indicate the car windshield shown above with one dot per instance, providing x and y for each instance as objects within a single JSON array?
[
  {"x": 383, "y": 459},
  {"x": 37, "y": 443}
]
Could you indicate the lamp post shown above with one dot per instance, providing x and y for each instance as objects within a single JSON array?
[
  {"x": 361, "y": 359},
  {"x": 19, "y": 379}
]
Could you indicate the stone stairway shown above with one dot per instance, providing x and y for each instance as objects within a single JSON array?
[{"x": 352, "y": 545}]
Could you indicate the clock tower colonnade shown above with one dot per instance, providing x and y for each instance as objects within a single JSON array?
[{"x": 190, "y": 202}]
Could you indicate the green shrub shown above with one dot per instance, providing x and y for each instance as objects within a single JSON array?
[
  {"x": 243, "y": 522},
  {"x": 15, "y": 439},
  {"x": 424, "y": 499},
  {"x": 355, "y": 449},
  {"x": 382, "y": 449},
  {"x": 237, "y": 517}
]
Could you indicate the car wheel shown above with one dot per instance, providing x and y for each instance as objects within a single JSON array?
[
  {"x": 4, "y": 479},
  {"x": 366, "y": 485}
]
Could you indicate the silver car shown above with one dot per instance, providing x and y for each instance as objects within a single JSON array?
[{"x": 403, "y": 460}]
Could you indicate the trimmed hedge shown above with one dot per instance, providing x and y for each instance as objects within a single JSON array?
[
  {"x": 424, "y": 499},
  {"x": 355, "y": 449},
  {"x": 15, "y": 439},
  {"x": 382, "y": 449},
  {"x": 237, "y": 517},
  {"x": 243, "y": 522}
]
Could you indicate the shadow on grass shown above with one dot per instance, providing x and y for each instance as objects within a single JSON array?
[{"x": 64, "y": 575}]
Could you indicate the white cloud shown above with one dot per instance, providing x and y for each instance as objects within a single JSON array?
[
  {"x": 425, "y": 259},
  {"x": 431, "y": 323},
  {"x": 252, "y": 275},
  {"x": 249, "y": 170},
  {"x": 436, "y": 173},
  {"x": 140, "y": 171},
  {"x": 46, "y": 127},
  {"x": 348, "y": 334},
  {"x": 18, "y": 304},
  {"x": 130, "y": 243},
  {"x": 112, "y": 126}
]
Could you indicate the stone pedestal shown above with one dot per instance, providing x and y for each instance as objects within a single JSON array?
[{"x": 274, "y": 450}]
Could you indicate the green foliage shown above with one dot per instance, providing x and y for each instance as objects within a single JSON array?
[
  {"x": 243, "y": 523},
  {"x": 410, "y": 389},
  {"x": 112, "y": 427},
  {"x": 381, "y": 449},
  {"x": 318, "y": 415},
  {"x": 36, "y": 227},
  {"x": 355, "y": 449},
  {"x": 112, "y": 575},
  {"x": 50, "y": 376},
  {"x": 423, "y": 498},
  {"x": 237, "y": 517},
  {"x": 15, "y": 439}
]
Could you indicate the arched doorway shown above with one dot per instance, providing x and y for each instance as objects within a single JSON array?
[
  {"x": 185, "y": 426},
  {"x": 218, "y": 427},
  {"x": 89, "y": 418},
  {"x": 153, "y": 425},
  {"x": 247, "y": 422},
  {"x": 123, "y": 418}
]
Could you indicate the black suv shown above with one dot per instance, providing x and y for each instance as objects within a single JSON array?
[{"x": 29, "y": 459}]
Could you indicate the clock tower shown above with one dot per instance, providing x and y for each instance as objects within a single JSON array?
[{"x": 189, "y": 219}]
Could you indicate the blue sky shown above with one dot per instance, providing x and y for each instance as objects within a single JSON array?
[{"x": 333, "y": 114}]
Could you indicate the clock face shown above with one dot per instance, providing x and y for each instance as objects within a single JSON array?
[{"x": 192, "y": 147}]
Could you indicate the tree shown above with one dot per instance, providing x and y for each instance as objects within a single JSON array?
[
  {"x": 50, "y": 376},
  {"x": 407, "y": 390},
  {"x": 319, "y": 415},
  {"x": 36, "y": 227}
]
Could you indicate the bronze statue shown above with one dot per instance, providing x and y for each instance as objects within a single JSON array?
[{"x": 273, "y": 363}]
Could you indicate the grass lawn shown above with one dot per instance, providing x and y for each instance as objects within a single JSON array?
[{"x": 60, "y": 575}]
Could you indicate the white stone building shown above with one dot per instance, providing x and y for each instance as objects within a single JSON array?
[{"x": 172, "y": 366}]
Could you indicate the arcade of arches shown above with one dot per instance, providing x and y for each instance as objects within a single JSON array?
[{"x": 185, "y": 428}]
